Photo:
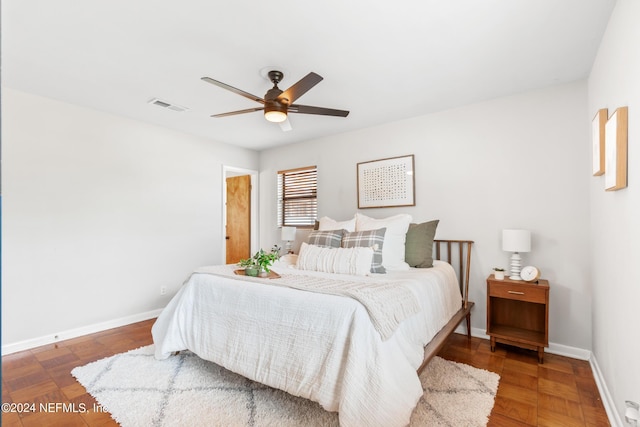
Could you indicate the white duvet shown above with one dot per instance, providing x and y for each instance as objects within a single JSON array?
[{"x": 318, "y": 346}]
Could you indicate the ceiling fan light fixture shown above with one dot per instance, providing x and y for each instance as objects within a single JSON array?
[
  {"x": 278, "y": 103},
  {"x": 275, "y": 116}
]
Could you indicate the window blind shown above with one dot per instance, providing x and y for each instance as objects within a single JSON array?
[{"x": 297, "y": 197}]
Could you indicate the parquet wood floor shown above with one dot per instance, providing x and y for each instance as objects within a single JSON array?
[{"x": 560, "y": 392}]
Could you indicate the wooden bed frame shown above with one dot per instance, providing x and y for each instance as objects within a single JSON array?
[{"x": 463, "y": 263}]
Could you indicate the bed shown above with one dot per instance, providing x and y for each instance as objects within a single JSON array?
[{"x": 358, "y": 354}]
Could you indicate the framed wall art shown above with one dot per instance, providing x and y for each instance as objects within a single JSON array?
[
  {"x": 615, "y": 177},
  {"x": 598, "y": 137},
  {"x": 386, "y": 182}
]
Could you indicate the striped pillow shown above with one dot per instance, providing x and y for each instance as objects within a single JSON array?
[
  {"x": 368, "y": 239},
  {"x": 355, "y": 261},
  {"x": 326, "y": 239}
]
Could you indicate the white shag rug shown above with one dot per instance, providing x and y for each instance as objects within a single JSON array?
[{"x": 138, "y": 390}]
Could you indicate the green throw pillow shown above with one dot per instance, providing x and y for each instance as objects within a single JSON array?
[{"x": 419, "y": 244}]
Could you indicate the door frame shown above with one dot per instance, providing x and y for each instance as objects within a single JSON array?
[{"x": 229, "y": 171}]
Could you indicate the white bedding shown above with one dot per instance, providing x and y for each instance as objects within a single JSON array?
[{"x": 314, "y": 345}]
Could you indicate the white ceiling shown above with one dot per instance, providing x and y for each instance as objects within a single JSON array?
[{"x": 381, "y": 60}]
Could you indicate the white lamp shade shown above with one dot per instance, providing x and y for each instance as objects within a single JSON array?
[
  {"x": 275, "y": 116},
  {"x": 516, "y": 240},
  {"x": 288, "y": 234}
]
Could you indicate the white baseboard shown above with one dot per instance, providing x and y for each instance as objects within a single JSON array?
[
  {"x": 77, "y": 332},
  {"x": 565, "y": 350},
  {"x": 559, "y": 349},
  {"x": 607, "y": 401}
]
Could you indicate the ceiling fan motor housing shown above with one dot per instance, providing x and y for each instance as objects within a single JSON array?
[
  {"x": 274, "y": 110},
  {"x": 272, "y": 94}
]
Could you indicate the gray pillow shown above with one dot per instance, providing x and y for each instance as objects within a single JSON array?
[
  {"x": 326, "y": 239},
  {"x": 418, "y": 247},
  {"x": 368, "y": 239}
]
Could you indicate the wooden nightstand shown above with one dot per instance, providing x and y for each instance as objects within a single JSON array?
[{"x": 518, "y": 313}]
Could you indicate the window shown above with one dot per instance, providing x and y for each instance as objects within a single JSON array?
[{"x": 297, "y": 197}]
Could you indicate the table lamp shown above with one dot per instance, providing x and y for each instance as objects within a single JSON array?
[
  {"x": 516, "y": 241},
  {"x": 288, "y": 234}
]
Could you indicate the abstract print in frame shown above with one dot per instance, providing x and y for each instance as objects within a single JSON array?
[{"x": 386, "y": 182}]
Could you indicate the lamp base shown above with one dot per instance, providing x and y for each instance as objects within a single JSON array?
[{"x": 516, "y": 266}]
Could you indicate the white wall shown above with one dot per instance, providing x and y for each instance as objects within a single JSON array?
[
  {"x": 615, "y": 225},
  {"x": 515, "y": 162},
  {"x": 99, "y": 212}
]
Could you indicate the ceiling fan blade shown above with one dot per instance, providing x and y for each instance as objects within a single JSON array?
[
  {"x": 307, "y": 109},
  {"x": 300, "y": 88},
  {"x": 285, "y": 125},
  {"x": 233, "y": 89},
  {"x": 233, "y": 113}
]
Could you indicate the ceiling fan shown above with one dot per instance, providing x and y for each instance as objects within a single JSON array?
[{"x": 277, "y": 103}]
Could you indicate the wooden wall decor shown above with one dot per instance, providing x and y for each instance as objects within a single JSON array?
[
  {"x": 598, "y": 136},
  {"x": 616, "y": 131}
]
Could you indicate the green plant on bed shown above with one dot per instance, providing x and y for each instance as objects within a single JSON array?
[{"x": 261, "y": 261}]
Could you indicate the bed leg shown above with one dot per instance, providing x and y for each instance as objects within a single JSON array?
[{"x": 469, "y": 325}]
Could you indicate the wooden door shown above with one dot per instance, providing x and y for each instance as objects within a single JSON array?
[{"x": 238, "y": 218}]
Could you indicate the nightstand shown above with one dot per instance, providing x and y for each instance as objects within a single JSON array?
[{"x": 518, "y": 313}]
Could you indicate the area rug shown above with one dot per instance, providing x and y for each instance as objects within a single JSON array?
[{"x": 138, "y": 390}]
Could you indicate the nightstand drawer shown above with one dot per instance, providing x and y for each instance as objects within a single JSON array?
[{"x": 530, "y": 293}]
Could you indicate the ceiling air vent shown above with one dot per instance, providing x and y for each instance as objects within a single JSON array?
[{"x": 167, "y": 105}]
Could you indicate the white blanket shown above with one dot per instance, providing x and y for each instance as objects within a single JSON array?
[
  {"x": 317, "y": 346},
  {"x": 388, "y": 303}
]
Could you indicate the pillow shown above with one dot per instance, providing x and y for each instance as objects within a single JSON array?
[
  {"x": 326, "y": 239},
  {"x": 419, "y": 244},
  {"x": 369, "y": 239},
  {"x": 288, "y": 260},
  {"x": 394, "y": 239},
  {"x": 327, "y": 223},
  {"x": 355, "y": 261}
]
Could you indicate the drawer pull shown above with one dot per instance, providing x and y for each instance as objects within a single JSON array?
[{"x": 516, "y": 292}]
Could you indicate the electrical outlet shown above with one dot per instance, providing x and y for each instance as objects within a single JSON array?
[
  {"x": 163, "y": 290},
  {"x": 632, "y": 414}
]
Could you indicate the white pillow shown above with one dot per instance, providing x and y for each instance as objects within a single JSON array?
[
  {"x": 394, "y": 238},
  {"x": 355, "y": 261},
  {"x": 327, "y": 223},
  {"x": 288, "y": 259}
]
